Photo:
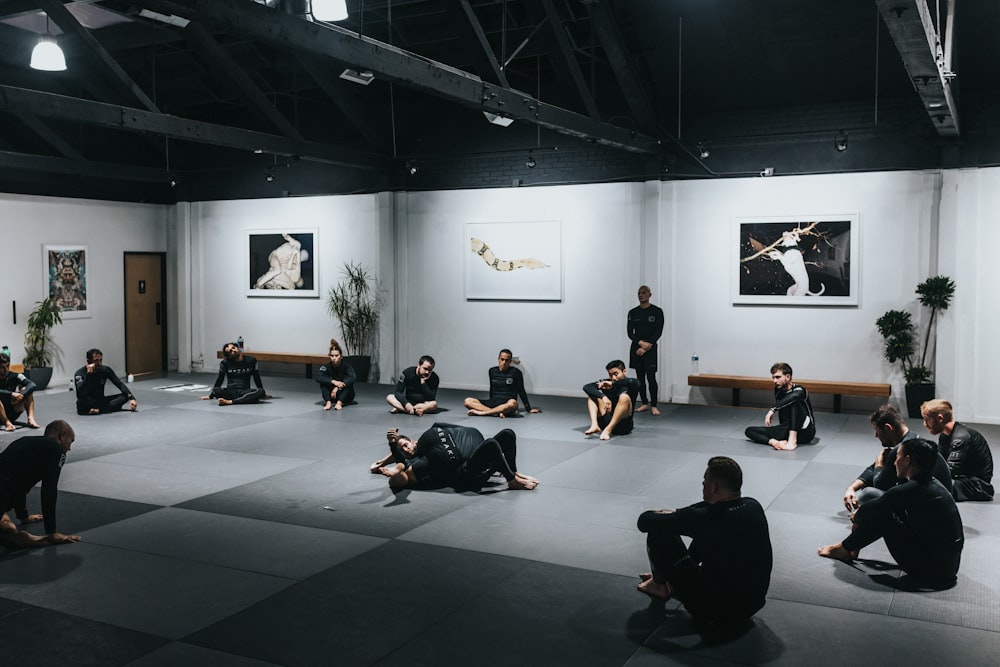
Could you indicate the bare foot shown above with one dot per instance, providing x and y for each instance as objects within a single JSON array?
[
  {"x": 419, "y": 413},
  {"x": 328, "y": 405},
  {"x": 592, "y": 430},
  {"x": 393, "y": 411},
  {"x": 837, "y": 552},
  {"x": 642, "y": 408},
  {"x": 501, "y": 415},
  {"x": 94, "y": 411},
  {"x": 605, "y": 434},
  {"x": 518, "y": 484},
  {"x": 783, "y": 445},
  {"x": 225, "y": 401},
  {"x": 32, "y": 423},
  {"x": 9, "y": 426},
  {"x": 655, "y": 411},
  {"x": 475, "y": 413},
  {"x": 653, "y": 589},
  {"x": 338, "y": 406},
  {"x": 526, "y": 477}
]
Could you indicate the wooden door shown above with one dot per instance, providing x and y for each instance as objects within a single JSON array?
[{"x": 145, "y": 313}]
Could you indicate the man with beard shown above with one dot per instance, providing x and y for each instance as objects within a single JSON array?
[{"x": 237, "y": 369}]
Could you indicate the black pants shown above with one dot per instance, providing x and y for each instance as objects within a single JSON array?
[
  {"x": 912, "y": 556},
  {"x": 644, "y": 375},
  {"x": 238, "y": 396},
  {"x": 106, "y": 404},
  {"x": 496, "y": 454},
  {"x": 761, "y": 434},
  {"x": 345, "y": 395}
]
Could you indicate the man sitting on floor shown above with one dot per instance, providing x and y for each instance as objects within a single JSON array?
[
  {"x": 611, "y": 402},
  {"x": 965, "y": 449},
  {"x": 918, "y": 520},
  {"x": 16, "y": 396},
  {"x": 450, "y": 455},
  {"x": 90, "y": 380},
  {"x": 796, "y": 423},
  {"x": 506, "y": 385},
  {"x": 724, "y": 575},
  {"x": 237, "y": 368},
  {"x": 416, "y": 389}
]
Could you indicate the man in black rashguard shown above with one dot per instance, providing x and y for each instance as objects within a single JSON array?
[
  {"x": 644, "y": 326},
  {"x": 16, "y": 396},
  {"x": 506, "y": 385},
  {"x": 611, "y": 402},
  {"x": 724, "y": 574},
  {"x": 237, "y": 368},
  {"x": 416, "y": 389},
  {"x": 450, "y": 455},
  {"x": 90, "y": 381},
  {"x": 966, "y": 450},
  {"x": 918, "y": 520},
  {"x": 24, "y": 463},
  {"x": 796, "y": 424}
]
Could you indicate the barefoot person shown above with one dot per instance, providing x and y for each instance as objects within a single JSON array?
[
  {"x": 796, "y": 424},
  {"x": 336, "y": 379},
  {"x": 918, "y": 520},
  {"x": 610, "y": 402},
  {"x": 416, "y": 389},
  {"x": 644, "y": 326},
  {"x": 24, "y": 463},
  {"x": 449, "y": 455},
  {"x": 16, "y": 396},
  {"x": 237, "y": 369},
  {"x": 724, "y": 574},
  {"x": 506, "y": 385},
  {"x": 90, "y": 380},
  {"x": 965, "y": 449}
]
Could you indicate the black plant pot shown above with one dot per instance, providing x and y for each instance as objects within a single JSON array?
[
  {"x": 362, "y": 366},
  {"x": 40, "y": 376},
  {"x": 917, "y": 395}
]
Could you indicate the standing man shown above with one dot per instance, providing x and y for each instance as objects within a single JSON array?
[
  {"x": 16, "y": 396},
  {"x": 918, "y": 520},
  {"x": 237, "y": 369},
  {"x": 90, "y": 381},
  {"x": 796, "y": 424},
  {"x": 506, "y": 385},
  {"x": 24, "y": 463},
  {"x": 725, "y": 573},
  {"x": 965, "y": 449},
  {"x": 416, "y": 389},
  {"x": 456, "y": 456},
  {"x": 644, "y": 327},
  {"x": 879, "y": 477},
  {"x": 610, "y": 402}
]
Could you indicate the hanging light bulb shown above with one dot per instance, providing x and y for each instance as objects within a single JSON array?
[
  {"x": 47, "y": 55},
  {"x": 329, "y": 10}
]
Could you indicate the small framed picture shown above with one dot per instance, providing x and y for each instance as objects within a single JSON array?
[
  {"x": 513, "y": 261},
  {"x": 66, "y": 279}
]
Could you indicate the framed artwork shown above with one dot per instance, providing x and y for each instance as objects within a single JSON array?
[
  {"x": 808, "y": 260},
  {"x": 66, "y": 279},
  {"x": 513, "y": 261},
  {"x": 282, "y": 263}
]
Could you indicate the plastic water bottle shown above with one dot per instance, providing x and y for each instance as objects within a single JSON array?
[
  {"x": 239, "y": 342},
  {"x": 6, "y": 351},
  {"x": 694, "y": 364}
]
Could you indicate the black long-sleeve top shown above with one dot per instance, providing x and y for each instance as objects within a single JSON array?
[
  {"x": 784, "y": 399},
  {"x": 15, "y": 382},
  {"x": 409, "y": 388},
  {"x": 885, "y": 477},
  {"x": 238, "y": 373},
  {"x": 626, "y": 385},
  {"x": 508, "y": 384},
  {"x": 345, "y": 373},
  {"x": 91, "y": 385},
  {"x": 644, "y": 324},
  {"x": 967, "y": 452},
  {"x": 24, "y": 463}
]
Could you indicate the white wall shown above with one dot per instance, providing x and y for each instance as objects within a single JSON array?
[
  {"x": 109, "y": 230},
  {"x": 350, "y": 228}
]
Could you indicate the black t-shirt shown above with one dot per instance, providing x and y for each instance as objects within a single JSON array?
[{"x": 508, "y": 384}]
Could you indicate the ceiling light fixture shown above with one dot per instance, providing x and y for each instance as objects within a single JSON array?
[
  {"x": 840, "y": 142},
  {"x": 411, "y": 166},
  {"x": 502, "y": 121},
  {"x": 47, "y": 56},
  {"x": 169, "y": 19},
  {"x": 767, "y": 171},
  {"x": 364, "y": 77},
  {"x": 530, "y": 164},
  {"x": 269, "y": 177},
  {"x": 329, "y": 10},
  {"x": 703, "y": 151}
]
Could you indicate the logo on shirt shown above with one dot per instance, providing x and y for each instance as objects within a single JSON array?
[
  {"x": 652, "y": 318},
  {"x": 510, "y": 380}
]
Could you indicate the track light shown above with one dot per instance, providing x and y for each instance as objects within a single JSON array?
[
  {"x": 411, "y": 166},
  {"x": 329, "y": 10},
  {"x": 502, "y": 121},
  {"x": 840, "y": 141},
  {"x": 364, "y": 77},
  {"x": 269, "y": 177},
  {"x": 767, "y": 171},
  {"x": 47, "y": 56},
  {"x": 703, "y": 151},
  {"x": 530, "y": 164}
]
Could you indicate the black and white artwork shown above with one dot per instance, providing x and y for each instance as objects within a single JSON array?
[
  {"x": 812, "y": 260},
  {"x": 282, "y": 263}
]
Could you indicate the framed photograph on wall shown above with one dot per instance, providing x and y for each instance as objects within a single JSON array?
[
  {"x": 513, "y": 261},
  {"x": 66, "y": 279},
  {"x": 282, "y": 263},
  {"x": 800, "y": 261}
]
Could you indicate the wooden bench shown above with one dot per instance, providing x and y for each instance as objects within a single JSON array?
[
  {"x": 838, "y": 389},
  {"x": 287, "y": 358}
]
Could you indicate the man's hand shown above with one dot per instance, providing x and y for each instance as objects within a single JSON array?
[
  {"x": 644, "y": 346},
  {"x": 850, "y": 499},
  {"x": 665, "y": 511},
  {"x": 607, "y": 403},
  {"x": 59, "y": 538},
  {"x": 768, "y": 417},
  {"x": 880, "y": 459},
  {"x": 16, "y": 395},
  {"x": 392, "y": 435},
  {"x": 132, "y": 405},
  {"x": 90, "y": 368}
]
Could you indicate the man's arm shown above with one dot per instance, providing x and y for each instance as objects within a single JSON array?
[
  {"x": 794, "y": 395},
  {"x": 593, "y": 390},
  {"x": 689, "y": 521},
  {"x": 429, "y": 387},
  {"x": 521, "y": 391},
  {"x": 25, "y": 386},
  {"x": 657, "y": 326},
  {"x": 400, "y": 392},
  {"x": 117, "y": 381}
]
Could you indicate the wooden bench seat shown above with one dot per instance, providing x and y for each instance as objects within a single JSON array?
[
  {"x": 286, "y": 358},
  {"x": 837, "y": 388}
]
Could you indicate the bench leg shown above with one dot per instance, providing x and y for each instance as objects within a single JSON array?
[
  {"x": 736, "y": 397},
  {"x": 836, "y": 402}
]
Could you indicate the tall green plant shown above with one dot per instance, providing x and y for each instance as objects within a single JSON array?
[
  {"x": 45, "y": 315},
  {"x": 355, "y": 301},
  {"x": 900, "y": 333}
]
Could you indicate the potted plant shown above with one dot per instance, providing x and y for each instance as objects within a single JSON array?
[
  {"x": 355, "y": 301},
  {"x": 901, "y": 340},
  {"x": 37, "y": 355}
]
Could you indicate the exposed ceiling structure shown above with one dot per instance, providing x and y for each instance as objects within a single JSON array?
[{"x": 197, "y": 99}]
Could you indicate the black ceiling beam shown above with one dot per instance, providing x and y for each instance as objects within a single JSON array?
[
  {"x": 605, "y": 24},
  {"x": 51, "y": 137},
  {"x": 59, "y": 165},
  {"x": 480, "y": 34},
  {"x": 394, "y": 64},
  {"x": 117, "y": 76},
  {"x": 231, "y": 75},
  {"x": 569, "y": 57},
  {"x": 47, "y": 105},
  {"x": 913, "y": 32},
  {"x": 339, "y": 93}
]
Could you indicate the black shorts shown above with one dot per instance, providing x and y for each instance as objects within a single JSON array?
[{"x": 624, "y": 427}]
